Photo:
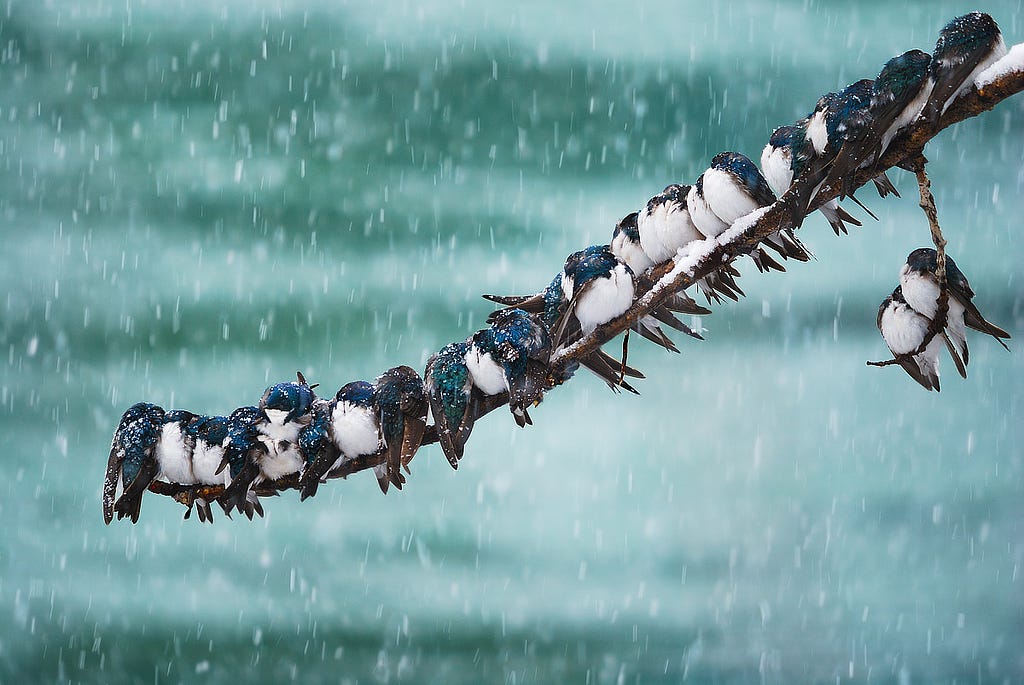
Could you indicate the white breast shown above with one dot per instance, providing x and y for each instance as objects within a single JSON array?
[
  {"x": 665, "y": 229},
  {"x": 817, "y": 132},
  {"x": 604, "y": 298},
  {"x": 726, "y": 197},
  {"x": 908, "y": 115},
  {"x": 487, "y": 374},
  {"x": 283, "y": 456},
  {"x": 356, "y": 432},
  {"x": 706, "y": 221},
  {"x": 205, "y": 460},
  {"x": 902, "y": 328},
  {"x": 172, "y": 453},
  {"x": 777, "y": 167},
  {"x": 631, "y": 253},
  {"x": 920, "y": 290}
]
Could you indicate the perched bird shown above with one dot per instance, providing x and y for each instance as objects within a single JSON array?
[
  {"x": 733, "y": 187},
  {"x": 354, "y": 430},
  {"x": 132, "y": 462},
  {"x": 242, "y": 447},
  {"x": 175, "y": 448},
  {"x": 403, "y": 406},
  {"x": 898, "y": 95},
  {"x": 626, "y": 245},
  {"x": 786, "y": 157},
  {"x": 519, "y": 345},
  {"x": 551, "y": 304},
  {"x": 454, "y": 398},
  {"x": 921, "y": 291},
  {"x": 967, "y": 46},
  {"x": 835, "y": 117},
  {"x": 600, "y": 288},
  {"x": 287, "y": 407},
  {"x": 318, "y": 446},
  {"x": 903, "y": 330}
]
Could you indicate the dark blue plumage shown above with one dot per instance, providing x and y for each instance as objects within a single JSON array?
[
  {"x": 520, "y": 344},
  {"x": 243, "y": 448},
  {"x": 403, "y": 418},
  {"x": 132, "y": 460},
  {"x": 967, "y": 45},
  {"x": 454, "y": 399}
]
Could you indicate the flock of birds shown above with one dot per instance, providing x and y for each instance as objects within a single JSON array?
[{"x": 294, "y": 433}]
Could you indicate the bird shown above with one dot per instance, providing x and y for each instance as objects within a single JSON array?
[
  {"x": 662, "y": 228},
  {"x": 785, "y": 158},
  {"x": 551, "y": 303},
  {"x": 904, "y": 329},
  {"x": 225, "y": 453},
  {"x": 354, "y": 430},
  {"x": 520, "y": 345},
  {"x": 733, "y": 187},
  {"x": 898, "y": 94},
  {"x": 403, "y": 407},
  {"x": 317, "y": 444},
  {"x": 967, "y": 45},
  {"x": 287, "y": 407},
  {"x": 131, "y": 461},
  {"x": 834, "y": 117},
  {"x": 921, "y": 290},
  {"x": 454, "y": 398},
  {"x": 175, "y": 447},
  {"x": 627, "y": 247}
]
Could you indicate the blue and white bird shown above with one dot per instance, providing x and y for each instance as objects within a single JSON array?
[
  {"x": 516, "y": 347},
  {"x": 835, "y": 117},
  {"x": 627, "y": 247},
  {"x": 921, "y": 291},
  {"x": 966, "y": 47},
  {"x": 132, "y": 462},
  {"x": 288, "y": 408},
  {"x": 733, "y": 187},
  {"x": 454, "y": 398},
  {"x": 239, "y": 441},
  {"x": 551, "y": 304},
  {"x": 898, "y": 95},
  {"x": 787, "y": 156},
  {"x": 403, "y": 406},
  {"x": 600, "y": 287},
  {"x": 353, "y": 430},
  {"x": 904, "y": 330}
]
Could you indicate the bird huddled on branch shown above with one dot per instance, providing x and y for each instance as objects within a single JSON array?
[{"x": 683, "y": 236}]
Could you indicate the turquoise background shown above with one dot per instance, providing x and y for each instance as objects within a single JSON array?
[{"x": 197, "y": 200}]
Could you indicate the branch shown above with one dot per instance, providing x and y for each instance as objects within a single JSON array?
[{"x": 1003, "y": 79}]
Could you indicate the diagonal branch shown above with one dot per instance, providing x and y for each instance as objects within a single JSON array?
[{"x": 705, "y": 257}]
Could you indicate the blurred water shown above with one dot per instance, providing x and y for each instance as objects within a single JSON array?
[{"x": 199, "y": 200}]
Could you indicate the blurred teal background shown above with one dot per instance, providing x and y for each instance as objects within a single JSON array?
[{"x": 199, "y": 199}]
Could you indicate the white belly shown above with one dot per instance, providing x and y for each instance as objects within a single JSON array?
[
  {"x": 172, "y": 454},
  {"x": 776, "y": 165},
  {"x": 665, "y": 230},
  {"x": 205, "y": 460},
  {"x": 632, "y": 254},
  {"x": 726, "y": 197},
  {"x": 706, "y": 221},
  {"x": 604, "y": 298},
  {"x": 908, "y": 115},
  {"x": 283, "y": 456},
  {"x": 818, "y": 133},
  {"x": 487, "y": 374},
  {"x": 355, "y": 430}
]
